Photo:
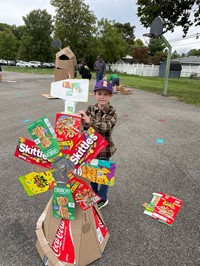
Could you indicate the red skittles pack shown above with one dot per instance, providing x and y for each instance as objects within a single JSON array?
[
  {"x": 88, "y": 146},
  {"x": 67, "y": 128},
  {"x": 82, "y": 193},
  {"x": 63, "y": 245},
  {"x": 28, "y": 151}
]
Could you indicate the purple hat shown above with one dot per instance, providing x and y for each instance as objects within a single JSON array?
[{"x": 103, "y": 84}]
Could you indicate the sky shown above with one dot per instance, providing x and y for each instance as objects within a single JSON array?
[{"x": 123, "y": 11}]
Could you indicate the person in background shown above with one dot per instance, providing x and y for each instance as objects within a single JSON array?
[
  {"x": 100, "y": 68},
  {"x": 84, "y": 71},
  {"x": 102, "y": 117},
  {"x": 114, "y": 78}
]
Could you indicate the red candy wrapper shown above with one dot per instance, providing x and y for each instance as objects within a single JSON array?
[
  {"x": 88, "y": 146},
  {"x": 67, "y": 128},
  {"x": 28, "y": 151}
]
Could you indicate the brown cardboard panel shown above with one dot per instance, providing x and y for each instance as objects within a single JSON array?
[
  {"x": 66, "y": 52},
  {"x": 89, "y": 247},
  {"x": 86, "y": 246},
  {"x": 65, "y": 64},
  {"x": 48, "y": 96},
  {"x": 61, "y": 74}
]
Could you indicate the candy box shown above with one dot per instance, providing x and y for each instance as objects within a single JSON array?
[
  {"x": 63, "y": 203},
  {"x": 67, "y": 129},
  {"x": 82, "y": 193},
  {"x": 37, "y": 182},
  {"x": 44, "y": 136},
  {"x": 28, "y": 151},
  {"x": 88, "y": 146},
  {"x": 98, "y": 171}
]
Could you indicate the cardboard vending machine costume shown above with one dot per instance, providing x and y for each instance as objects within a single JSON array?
[
  {"x": 63, "y": 242},
  {"x": 65, "y": 64}
]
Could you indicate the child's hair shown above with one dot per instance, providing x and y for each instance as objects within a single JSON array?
[{"x": 103, "y": 84}]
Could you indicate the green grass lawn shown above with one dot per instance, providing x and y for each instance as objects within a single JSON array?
[{"x": 184, "y": 89}]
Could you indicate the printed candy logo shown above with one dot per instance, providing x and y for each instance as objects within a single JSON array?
[
  {"x": 62, "y": 245},
  {"x": 28, "y": 151},
  {"x": 88, "y": 146},
  {"x": 83, "y": 148}
]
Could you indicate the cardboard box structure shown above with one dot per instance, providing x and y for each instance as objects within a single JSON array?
[
  {"x": 65, "y": 64},
  {"x": 88, "y": 235}
]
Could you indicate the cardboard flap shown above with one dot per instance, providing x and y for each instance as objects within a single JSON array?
[
  {"x": 65, "y": 54},
  {"x": 89, "y": 248}
]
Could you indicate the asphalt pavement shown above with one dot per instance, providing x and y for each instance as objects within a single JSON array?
[{"x": 158, "y": 149}]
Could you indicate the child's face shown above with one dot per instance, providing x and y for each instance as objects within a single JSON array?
[{"x": 102, "y": 97}]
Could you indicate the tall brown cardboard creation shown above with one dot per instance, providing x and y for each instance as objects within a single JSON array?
[
  {"x": 86, "y": 236},
  {"x": 65, "y": 64}
]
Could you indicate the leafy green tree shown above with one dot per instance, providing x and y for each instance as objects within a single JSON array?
[
  {"x": 127, "y": 30},
  {"x": 195, "y": 52},
  {"x": 156, "y": 45},
  {"x": 74, "y": 25},
  {"x": 36, "y": 38},
  {"x": 8, "y": 45},
  {"x": 174, "y": 13},
  {"x": 110, "y": 43}
]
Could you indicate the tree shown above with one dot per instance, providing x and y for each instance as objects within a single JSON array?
[
  {"x": 74, "y": 25},
  {"x": 156, "y": 45},
  {"x": 36, "y": 38},
  {"x": 127, "y": 30},
  {"x": 8, "y": 45},
  {"x": 141, "y": 55},
  {"x": 195, "y": 52},
  {"x": 110, "y": 43},
  {"x": 174, "y": 13}
]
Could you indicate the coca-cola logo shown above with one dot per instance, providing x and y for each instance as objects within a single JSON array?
[{"x": 58, "y": 241}]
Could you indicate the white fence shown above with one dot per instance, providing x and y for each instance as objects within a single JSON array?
[{"x": 150, "y": 70}]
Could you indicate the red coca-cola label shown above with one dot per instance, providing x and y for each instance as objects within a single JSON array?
[
  {"x": 100, "y": 227},
  {"x": 63, "y": 245}
]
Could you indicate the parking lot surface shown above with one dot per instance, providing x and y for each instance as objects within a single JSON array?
[{"x": 144, "y": 165}]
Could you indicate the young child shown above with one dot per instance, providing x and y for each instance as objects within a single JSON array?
[{"x": 102, "y": 117}]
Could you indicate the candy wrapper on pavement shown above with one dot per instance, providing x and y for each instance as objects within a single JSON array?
[{"x": 76, "y": 236}]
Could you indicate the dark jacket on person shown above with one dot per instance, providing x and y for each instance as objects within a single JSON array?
[{"x": 85, "y": 72}]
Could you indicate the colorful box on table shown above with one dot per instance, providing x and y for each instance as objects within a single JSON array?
[{"x": 68, "y": 130}]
